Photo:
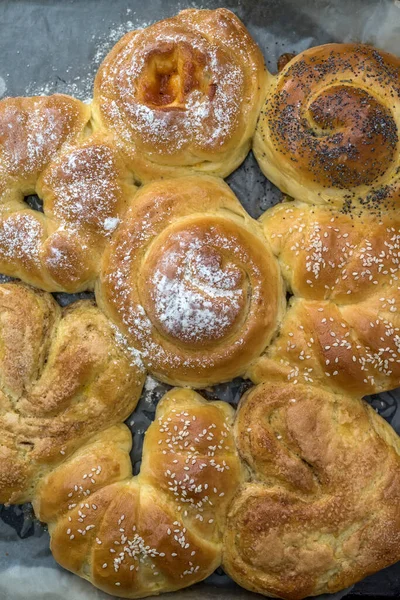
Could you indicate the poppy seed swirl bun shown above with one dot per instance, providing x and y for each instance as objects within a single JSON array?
[{"x": 329, "y": 128}]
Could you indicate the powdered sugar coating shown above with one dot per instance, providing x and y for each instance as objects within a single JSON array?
[
  {"x": 32, "y": 130},
  {"x": 45, "y": 148},
  {"x": 182, "y": 91},
  {"x": 195, "y": 298},
  {"x": 190, "y": 282}
]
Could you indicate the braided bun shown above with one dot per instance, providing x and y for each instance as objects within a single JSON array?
[
  {"x": 329, "y": 130},
  {"x": 190, "y": 279},
  {"x": 182, "y": 95},
  {"x": 342, "y": 328}
]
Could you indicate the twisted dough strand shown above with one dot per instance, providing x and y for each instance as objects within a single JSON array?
[
  {"x": 63, "y": 377},
  {"x": 322, "y": 508},
  {"x": 342, "y": 328},
  {"x": 45, "y": 148}
]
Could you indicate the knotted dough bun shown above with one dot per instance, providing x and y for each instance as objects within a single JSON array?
[
  {"x": 191, "y": 281},
  {"x": 182, "y": 95},
  {"x": 322, "y": 507},
  {"x": 156, "y": 532},
  {"x": 46, "y": 149}
]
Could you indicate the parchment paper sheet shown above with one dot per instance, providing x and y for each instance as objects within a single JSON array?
[{"x": 49, "y": 46}]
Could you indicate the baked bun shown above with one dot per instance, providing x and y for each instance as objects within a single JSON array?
[
  {"x": 82, "y": 181},
  {"x": 190, "y": 279},
  {"x": 182, "y": 95},
  {"x": 159, "y": 531},
  {"x": 322, "y": 509},
  {"x": 329, "y": 130},
  {"x": 342, "y": 328},
  {"x": 64, "y": 376}
]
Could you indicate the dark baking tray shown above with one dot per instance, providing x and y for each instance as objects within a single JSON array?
[{"x": 51, "y": 46}]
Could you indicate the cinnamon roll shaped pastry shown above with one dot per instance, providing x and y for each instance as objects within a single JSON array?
[
  {"x": 190, "y": 279},
  {"x": 182, "y": 95},
  {"x": 329, "y": 128}
]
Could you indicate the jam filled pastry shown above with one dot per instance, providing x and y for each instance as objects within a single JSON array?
[
  {"x": 182, "y": 95},
  {"x": 329, "y": 129},
  {"x": 191, "y": 281}
]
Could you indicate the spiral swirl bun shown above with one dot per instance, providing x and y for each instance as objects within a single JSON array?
[
  {"x": 190, "y": 279},
  {"x": 183, "y": 94},
  {"x": 329, "y": 130}
]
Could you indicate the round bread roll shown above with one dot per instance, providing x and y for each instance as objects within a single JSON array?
[
  {"x": 322, "y": 508},
  {"x": 161, "y": 530},
  {"x": 182, "y": 95},
  {"x": 329, "y": 129},
  {"x": 46, "y": 149},
  {"x": 192, "y": 282},
  {"x": 64, "y": 376},
  {"x": 342, "y": 328}
]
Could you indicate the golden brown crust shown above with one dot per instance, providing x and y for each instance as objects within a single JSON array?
[
  {"x": 342, "y": 328},
  {"x": 322, "y": 510},
  {"x": 182, "y": 95},
  {"x": 190, "y": 279},
  {"x": 161, "y": 530},
  {"x": 32, "y": 131},
  {"x": 83, "y": 183},
  {"x": 63, "y": 377},
  {"x": 329, "y": 130}
]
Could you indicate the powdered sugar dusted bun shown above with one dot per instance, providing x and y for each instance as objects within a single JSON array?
[
  {"x": 329, "y": 129},
  {"x": 182, "y": 95},
  {"x": 82, "y": 181},
  {"x": 191, "y": 280}
]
